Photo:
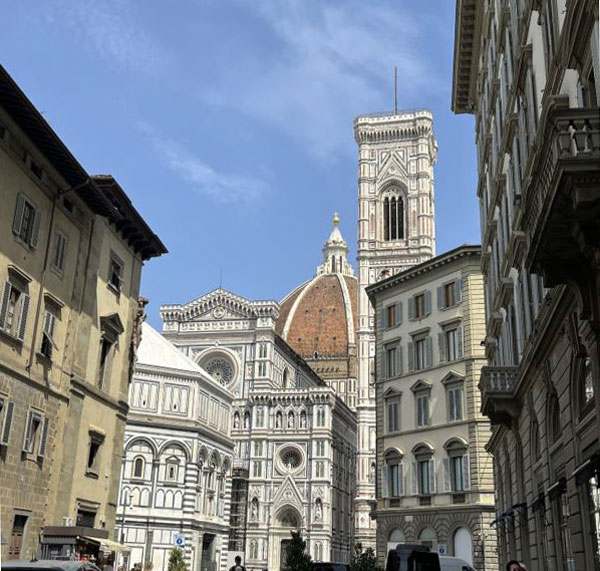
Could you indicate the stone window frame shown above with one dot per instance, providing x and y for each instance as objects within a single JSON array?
[
  {"x": 441, "y": 290},
  {"x": 422, "y": 335},
  {"x": 393, "y": 368},
  {"x": 35, "y": 434},
  {"x": 390, "y": 315},
  {"x": 454, "y": 381},
  {"x": 443, "y": 346},
  {"x": 423, "y": 452},
  {"x": 393, "y": 457},
  {"x": 30, "y": 236},
  {"x": 59, "y": 252},
  {"x": 94, "y": 455},
  {"x": 457, "y": 447},
  {"x": 17, "y": 281}
]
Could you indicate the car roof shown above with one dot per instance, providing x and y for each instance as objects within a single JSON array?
[{"x": 49, "y": 565}]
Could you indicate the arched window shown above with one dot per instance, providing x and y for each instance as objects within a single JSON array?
[
  {"x": 172, "y": 470},
  {"x": 393, "y": 476},
  {"x": 393, "y": 217},
  {"x": 318, "y": 551},
  {"x": 536, "y": 450},
  {"x": 285, "y": 378},
  {"x": 138, "y": 467},
  {"x": 586, "y": 388},
  {"x": 395, "y": 537},
  {"x": 254, "y": 549},
  {"x": 320, "y": 416},
  {"x": 554, "y": 423},
  {"x": 463, "y": 545},
  {"x": 428, "y": 537}
]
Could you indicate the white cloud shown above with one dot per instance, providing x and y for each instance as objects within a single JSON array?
[
  {"x": 332, "y": 61},
  {"x": 109, "y": 28},
  {"x": 204, "y": 179}
]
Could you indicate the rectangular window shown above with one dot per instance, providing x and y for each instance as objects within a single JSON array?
[
  {"x": 320, "y": 469},
  {"x": 457, "y": 470},
  {"x": 105, "y": 361},
  {"x": 258, "y": 448},
  {"x": 262, "y": 351},
  {"x": 393, "y": 416},
  {"x": 320, "y": 448},
  {"x": 394, "y": 480},
  {"x": 14, "y": 309},
  {"x": 420, "y": 306},
  {"x": 390, "y": 361},
  {"x": 260, "y": 417},
  {"x": 424, "y": 477},
  {"x": 85, "y": 518},
  {"x": 115, "y": 272},
  {"x": 391, "y": 315},
  {"x": 455, "y": 404},
  {"x": 262, "y": 369},
  {"x": 93, "y": 459},
  {"x": 48, "y": 343},
  {"x": 420, "y": 354},
  {"x": 59, "y": 252},
  {"x": 449, "y": 294},
  {"x": 423, "y": 410},
  {"x": 32, "y": 431},
  {"x": 26, "y": 223},
  {"x": 451, "y": 344},
  {"x": 6, "y": 416}
]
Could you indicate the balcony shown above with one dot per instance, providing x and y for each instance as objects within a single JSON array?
[
  {"x": 499, "y": 403},
  {"x": 561, "y": 205}
]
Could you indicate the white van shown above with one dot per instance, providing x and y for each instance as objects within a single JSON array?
[{"x": 454, "y": 564}]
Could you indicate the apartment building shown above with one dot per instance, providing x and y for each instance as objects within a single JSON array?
[
  {"x": 529, "y": 72},
  {"x": 71, "y": 254},
  {"x": 434, "y": 479}
]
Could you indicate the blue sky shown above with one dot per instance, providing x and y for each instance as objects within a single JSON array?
[{"x": 229, "y": 122}]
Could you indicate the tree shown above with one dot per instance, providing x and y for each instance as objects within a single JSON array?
[
  {"x": 176, "y": 562},
  {"x": 297, "y": 559},
  {"x": 363, "y": 560}
]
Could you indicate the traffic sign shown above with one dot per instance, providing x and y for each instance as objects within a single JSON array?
[{"x": 179, "y": 539}]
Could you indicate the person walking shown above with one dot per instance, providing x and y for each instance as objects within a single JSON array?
[{"x": 515, "y": 565}]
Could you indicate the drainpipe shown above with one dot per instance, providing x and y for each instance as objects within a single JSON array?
[{"x": 45, "y": 267}]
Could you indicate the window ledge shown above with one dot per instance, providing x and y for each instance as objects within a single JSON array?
[
  {"x": 113, "y": 288},
  {"x": 44, "y": 359},
  {"x": 89, "y": 473},
  {"x": 9, "y": 336}
]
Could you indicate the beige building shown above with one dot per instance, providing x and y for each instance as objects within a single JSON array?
[
  {"x": 435, "y": 480},
  {"x": 530, "y": 71},
  {"x": 71, "y": 255}
]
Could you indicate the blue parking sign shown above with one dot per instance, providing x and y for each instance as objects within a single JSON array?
[{"x": 179, "y": 539}]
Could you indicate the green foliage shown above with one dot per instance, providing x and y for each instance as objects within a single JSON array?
[
  {"x": 297, "y": 559},
  {"x": 363, "y": 560},
  {"x": 176, "y": 562}
]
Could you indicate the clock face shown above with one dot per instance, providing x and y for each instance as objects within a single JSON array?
[{"x": 220, "y": 368}]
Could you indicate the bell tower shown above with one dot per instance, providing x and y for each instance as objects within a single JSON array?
[{"x": 396, "y": 230}]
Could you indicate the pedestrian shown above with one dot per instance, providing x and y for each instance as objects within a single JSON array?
[
  {"x": 515, "y": 565},
  {"x": 238, "y": 564}
]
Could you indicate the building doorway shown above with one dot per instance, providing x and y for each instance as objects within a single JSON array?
[
  {"x": 463, "y": 545},
  {"x": 16, "y": 536},
  {"x": 285, "y": 545},
  {"x": 207, "y": 563}
]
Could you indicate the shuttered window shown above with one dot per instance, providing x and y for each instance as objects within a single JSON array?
[
  {"x": 26, "y": 222},
  {"x": 14, "y": 310}
]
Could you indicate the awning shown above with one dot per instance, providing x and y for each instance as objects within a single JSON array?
[{"x": 109, "y": 544}]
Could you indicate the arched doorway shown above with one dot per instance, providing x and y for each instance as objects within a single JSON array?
[
  {"x": 394, "y": 538},
  {"x": 288, "y": 520},
  {"x": 463, "y": 545}
]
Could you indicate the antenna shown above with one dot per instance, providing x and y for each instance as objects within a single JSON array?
[
  {"x": 220, "y": 278},
  {"x": 395, "y": 90}
]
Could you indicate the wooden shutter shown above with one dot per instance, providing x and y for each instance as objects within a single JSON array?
[
  {"x": 415, "y": 479},
  {"x": 7, "y": 424},
  {"x": 43, "y": 437},
  {"x": 398, "y": 359},
  {"x": 401, "y": 479},
  {"x": 427, "y": 300},
  {"x": 411, "y": 308},
  {"x": 442, "y": 346},
  {"x": 27, "y": 433},
  {"x": 459, "y": 342},
  {"x": 411, "y": 356},
  {"x": 447, "y": 484},
  {"x": 466, "y": 472},
  {"x": 18, "y": 219},
  {"x": 5, "y": 301},
  {"x": 23, "y": 316},
  {"x": 428, "y": 351},
  {"x": 382, "y": 318},
  {"x": 35, "y": 231},
  {"x": 458, "y": 290},
  {"x": 432, "y": 476},
  {"x": 399, "y": 313},
  {"x": 440, "y": 297}
]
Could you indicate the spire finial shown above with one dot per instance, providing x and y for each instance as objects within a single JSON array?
[{"x": 336, "y": 219}]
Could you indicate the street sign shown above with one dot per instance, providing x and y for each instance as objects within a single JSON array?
[
  {"x": 179, "y": 539},
  {"x": 442, "y": 549}
]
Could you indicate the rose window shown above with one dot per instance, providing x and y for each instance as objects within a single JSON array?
[
  {"x": 291, "y": 459},
  {"x": 220, "y": 369}
]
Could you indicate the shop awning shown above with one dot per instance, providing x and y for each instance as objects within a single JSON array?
[{"x": 109, "y": 544}]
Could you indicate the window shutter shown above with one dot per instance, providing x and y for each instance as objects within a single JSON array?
[
  {"x": 398, "y": 359},
  {"x": 401, "y": 479},
  {"x": 35, "y": 231},
  {"x": 432, "y": 476},
  {"x": 26, "y": 434},
  {"x": 427, "y": 302},
  {"x": 23, "y": 316},
  {"x": 442, "y": 346},
  {"x": 459, "y": 342},
  {"x": 18, "y": 214},
  {"x": 411, "y": 308},
  {"x": 382, "y": 320},
  {"x": 43, "y": 438},
  {"x": 384, "y": 481},
  {"x": 466, "y": 472},
  {"x": 447, "y": 485},
  {"x": 440, "y": 297},
  {"x": 399, "y": 313},
  {"x": 415, "y": 479},
  {"x": 458, "y": 290},
  {"x": 429, "y": 351},
  {"x": 5, "y": 300},
  {"x": 7, "y": 424},
  {"x": 411, "y": 356}
]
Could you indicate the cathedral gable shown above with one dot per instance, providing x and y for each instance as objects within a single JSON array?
[
  {"x": 288, "y": 495},
  {"x": 392, "y": 166}
]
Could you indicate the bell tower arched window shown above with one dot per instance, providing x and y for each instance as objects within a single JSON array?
[{"x": 393, "y": 217}]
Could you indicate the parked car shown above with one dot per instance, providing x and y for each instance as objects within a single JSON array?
[
  {"x": 48, "y": 565},
  {"x": 454, "y": 564},
  {"x": 322, "y": 566}
]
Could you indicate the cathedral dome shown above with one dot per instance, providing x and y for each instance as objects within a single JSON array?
[{"x": 319, "y": 318}]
